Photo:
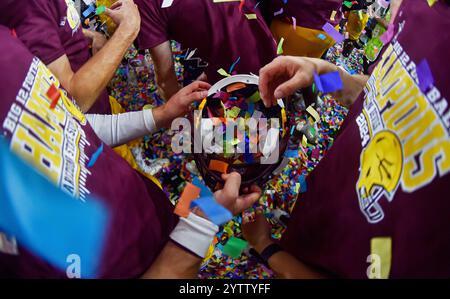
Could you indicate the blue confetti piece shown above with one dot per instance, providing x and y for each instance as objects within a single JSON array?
[
  {"x": 322, "y": 36},
  {"x": 291, "y": 154},
  {"x": 424, "y": 75},
  {"x": 251, "y": 108},
  {"x": 88, "y": 11},
  {"x": 233, "y": 65},
  {"x": 95, "y": 156},
  {"x": 47, "y": 221},
  {"x": 248, "y": 158},
  {"x": 214, "y": 211},
  {"x": 329, "y": 82},
  {"x": 204, "y": 190},
  {"x": 303, "y": 186}
]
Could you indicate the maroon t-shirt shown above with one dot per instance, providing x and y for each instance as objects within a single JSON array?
[
  {"x": 59, "y": 144},
  {"x": 219, "y": 31},
  {"x": 51, "y": 29},
  {"x": 386, "y": 176},
  {"x": 309, "y": 13}
]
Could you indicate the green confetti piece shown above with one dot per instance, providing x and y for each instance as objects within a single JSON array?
[
  {"x": 234, "y": 247},
  {"x": 349, "y": 4},
  {"x": 280, "y": 46},
  {"x": 233, "y": 112},
  {"x": 101, "y": 9},
  {"x": 255, "y": 97}
]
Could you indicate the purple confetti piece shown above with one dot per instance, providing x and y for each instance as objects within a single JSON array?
[
  {"x": 386, "y": 37},
  {"x": 332, "y": 32},
  {"x": 424, "y": 75},
  {"x": 329, "y": 82}
]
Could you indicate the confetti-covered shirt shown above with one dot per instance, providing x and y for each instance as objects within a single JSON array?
[
  {"x": 222, "y": 33},
  {"x": 377, "y": 205}
]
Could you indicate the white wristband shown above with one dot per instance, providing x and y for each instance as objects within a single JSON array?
[{"x": 195, "y": 234}]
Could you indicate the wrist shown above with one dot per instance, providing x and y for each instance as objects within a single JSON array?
[
  {"x": 127, "y": 32},
  {"x": 263, "y": 244},
  {"x": 322, "y": 66},
  {"x": 160, "y": 116}
]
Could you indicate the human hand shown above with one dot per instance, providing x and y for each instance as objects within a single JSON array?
[
  {"x": 286, "y": 74},
  {"x": 257, "y": 232},
  {"x": 229, "y": 196},
  {"x": 180, "y": 103},
  {"x": 126, "y": 15}
]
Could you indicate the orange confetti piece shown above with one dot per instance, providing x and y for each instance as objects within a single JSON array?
[
  {"x": 54, "y": 95},
  {"x": 235, "y": 86},
  {"x": 190, "y": 193},
  {"x": 219, "y": 166}
]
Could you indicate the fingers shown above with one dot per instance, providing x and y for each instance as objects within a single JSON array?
[
  {"x": 113, "y": 14},
  {"x": 232, "y": 185},
  {"x": 116, "y": 4},
  {"x": 288, "y": 88},
  {"x": 195, "y": 91},
  {"x": 266, "y": 76},
  {"x": 198, "y": 85},
  {"x": 246, "y": 201}
]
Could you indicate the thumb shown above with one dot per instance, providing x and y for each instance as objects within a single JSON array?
[
  {"x": 232, "y": 185},
  {"x": 289, "y": 87}
]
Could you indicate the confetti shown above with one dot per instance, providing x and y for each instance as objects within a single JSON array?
[
  {"x": 95, "y": 156},
  {"x": 214, "y": 211},
  {"x": 280, "y": 46}
]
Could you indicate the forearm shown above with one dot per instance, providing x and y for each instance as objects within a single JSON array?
[
  {"x": 167, "y": 84},
  {"x": 288, "y": 267},
  {"x": 92, "y": 78},
  {"x": 353, "y": 84},
  {"x": 118, "y": 129},
  {"x": 174, "y": 262},
  {"x": 182, "y": 255},
  {"x": 166, "y": 78}
]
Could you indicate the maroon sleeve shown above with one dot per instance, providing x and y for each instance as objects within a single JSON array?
[
  {"x": 154, "y": 24},
  {"x": 39, "y": 32}
]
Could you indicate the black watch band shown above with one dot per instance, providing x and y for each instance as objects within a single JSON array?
[{"x": 270, "y": 250}]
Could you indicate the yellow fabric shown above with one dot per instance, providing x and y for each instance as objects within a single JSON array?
[
  {"x": 356, "y": 24},
  {"x": 301, "y": 41},
  {"x": 382, "y": 246},
  {"x": 125, "y": 150}
]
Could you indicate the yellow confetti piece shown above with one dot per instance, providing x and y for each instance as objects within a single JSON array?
[
  {"x": 280, "y": 46},
  {"x": 382, "y": 247},
  {"x": 251, "y": 16},
  {"x": 304, "y": 141},
  {"x": 283, "y": 120},
  {"x": 431, "y": 2},
  {"x": 333, "y": 15},
  {"x": 313, "y": 113},
  {"x": 297, "y": 187},
  {"x": 202, "y": 105},
  {"x": 223, "y": 73}
]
